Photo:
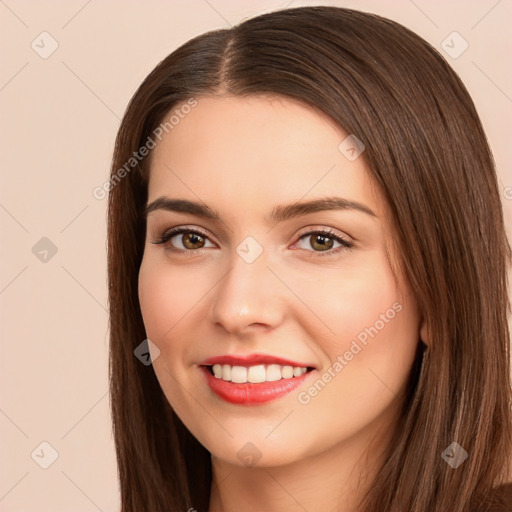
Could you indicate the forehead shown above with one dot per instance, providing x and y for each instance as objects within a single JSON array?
[{"x": 245, "y": 152}]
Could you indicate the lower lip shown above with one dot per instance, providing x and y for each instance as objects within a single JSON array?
[{"x": 252, "y": 393}]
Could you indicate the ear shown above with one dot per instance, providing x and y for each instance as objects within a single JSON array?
[{"x": 424, "y": 332}]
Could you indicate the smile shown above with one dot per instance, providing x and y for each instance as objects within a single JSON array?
[
  {"x": 254, "y": 384},
  {"x": 256, "y": 374}
]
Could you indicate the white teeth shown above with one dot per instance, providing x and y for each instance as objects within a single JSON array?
[
  {"x": 273, "y": 372},
  {"x": 238, "y": 374},
  {"x": 297, "y": 372},
  {"x": 226, "y": 372},
  {"x": 217, "y": 371},
  {"x": 256, "y": 374},
  {"x": 287, "y": 372}
]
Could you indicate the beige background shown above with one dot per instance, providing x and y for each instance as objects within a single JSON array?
[{"x": 59, "y": 117}]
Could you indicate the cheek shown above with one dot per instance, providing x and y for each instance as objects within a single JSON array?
[
  {"x": 368, "y": 359},
  {"x": 166, "y": 295},
  {"x": 368, "y": 323},
  {"x": 350, "y": 300}
]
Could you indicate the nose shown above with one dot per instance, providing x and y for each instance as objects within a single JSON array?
[{"x": 249, "y": 298}]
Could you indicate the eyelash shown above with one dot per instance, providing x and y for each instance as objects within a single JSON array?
[{"x": 167, "y": 235}]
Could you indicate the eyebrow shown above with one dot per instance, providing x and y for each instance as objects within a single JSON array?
[{"x": 279, "y": 213}]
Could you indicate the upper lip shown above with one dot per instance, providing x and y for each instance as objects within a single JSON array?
[{"x": 252, "y": 360}]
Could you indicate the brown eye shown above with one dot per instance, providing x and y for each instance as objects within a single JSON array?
[
  {"x": 321, "y": 242},
  {"x": 192, "y": 240},
  {"x": 189, "y": 239}
]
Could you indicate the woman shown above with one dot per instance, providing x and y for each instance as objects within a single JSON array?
[{"x": 306, "y": 240}]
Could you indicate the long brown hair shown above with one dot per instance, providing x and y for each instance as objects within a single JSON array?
[{"x": 426, "y": 148}]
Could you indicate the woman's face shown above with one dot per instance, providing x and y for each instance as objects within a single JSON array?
[{"x": 262, "y": 279}]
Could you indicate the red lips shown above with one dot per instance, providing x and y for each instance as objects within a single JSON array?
[
  {"x": 249, "y": 393},
  {"x": 252, "y": 360}
]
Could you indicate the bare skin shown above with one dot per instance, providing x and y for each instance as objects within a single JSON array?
[{"x": 303, "y": 298}]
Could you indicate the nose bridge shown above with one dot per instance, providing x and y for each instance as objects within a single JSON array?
[{"x": 248, "y": 293}]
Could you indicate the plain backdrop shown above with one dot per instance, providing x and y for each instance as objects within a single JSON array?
[{"x": 68, "y": 71}]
